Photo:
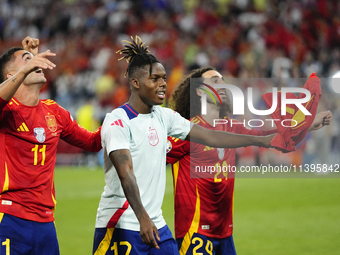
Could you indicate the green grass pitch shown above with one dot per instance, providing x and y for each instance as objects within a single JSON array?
[{"x": 272, "y": 216}]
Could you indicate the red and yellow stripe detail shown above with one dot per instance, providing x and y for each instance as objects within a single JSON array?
[
  {"x": 48, "y": 102},
  {"x": 15, "y": 101},
  {"x": 175, "y": 170},
  {"x": 105, "y": 243},
  {"x": 6, "y": 183},
  {"x": 194, "y": 226},
  {"x": 300, "y": 117},
  {"x": 116, "y": 216},
  {"x": 201, "y": 119}
]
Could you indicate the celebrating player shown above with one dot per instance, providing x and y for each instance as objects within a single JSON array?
[
  {"x": 204, "y": 206},
  {"x": 134, "y": 138},
  {"x": 30, "y": 130}
]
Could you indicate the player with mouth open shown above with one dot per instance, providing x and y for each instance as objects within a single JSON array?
[
  {"x": 30, "y": 129},
  {"x": 204, "y": 206}
]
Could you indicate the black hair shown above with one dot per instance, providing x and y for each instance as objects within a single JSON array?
[
  {"x": 137, "y": 55},
  {"x": 5, "y": 59},
  {"x": 185, "y": 100}
]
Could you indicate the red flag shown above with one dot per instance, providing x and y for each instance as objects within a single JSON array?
[{"x": 288, "y": 137}]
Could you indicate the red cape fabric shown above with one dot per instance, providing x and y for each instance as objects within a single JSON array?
[{"x": 288, "y": 137}]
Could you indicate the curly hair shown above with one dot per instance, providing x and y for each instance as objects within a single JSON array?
[
  {"x": 137, "y": 56},
  {"x": 185, "y": 100}
]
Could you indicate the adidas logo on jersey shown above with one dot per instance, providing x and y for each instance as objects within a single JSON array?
[
  {"x": 23, "y": 128},
  {"x": 48, "y": 102},
  {"x": 207, "y": 148},
  {"x": 117, "y": 123}
]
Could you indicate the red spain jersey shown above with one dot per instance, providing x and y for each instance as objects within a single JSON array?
[
  {"x": 28, "y": 145},
  {"x": 288, "y": 137},
  {"x": 204, "y": 205}
]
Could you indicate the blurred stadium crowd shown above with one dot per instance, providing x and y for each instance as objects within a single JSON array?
[{"x": 241, "y": 38}]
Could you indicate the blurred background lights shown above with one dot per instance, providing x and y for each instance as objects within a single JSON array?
[{"x": 335, "y": 82}]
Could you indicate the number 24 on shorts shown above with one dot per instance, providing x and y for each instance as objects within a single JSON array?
[{"x": 199, "y": 243}]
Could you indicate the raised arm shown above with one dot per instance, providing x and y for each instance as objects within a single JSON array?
[
  {"x": 221, "y": 139},
  {"x": 11, "y": 85},
  {"x": 122, "y": 161}
]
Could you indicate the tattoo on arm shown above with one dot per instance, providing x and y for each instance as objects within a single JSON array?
[
  {"x": 122, "y": 161},
  {"x": 13, "y": 80},
  {"x": 122, "y": 158}
]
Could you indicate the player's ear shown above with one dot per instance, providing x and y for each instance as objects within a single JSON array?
[
  {"x": 9, "y": 75},
  {"x": 199, "y": 92},
  {"x": 135, "y": 83}
]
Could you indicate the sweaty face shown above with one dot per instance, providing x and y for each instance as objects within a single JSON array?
[
  {"x": 22, "y": 57},
  {"x": 153, "y": 87},
  {"x": 212, "y": 78}
]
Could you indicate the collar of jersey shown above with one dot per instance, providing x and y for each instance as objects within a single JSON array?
[{"x": 131, "y": 113}]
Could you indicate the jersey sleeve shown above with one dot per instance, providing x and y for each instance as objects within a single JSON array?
[
  {"x": 178, "y": 126},
  {"x": 176, "y": 149},
  {"x": 3, "y": 103},
  {"x": 289, "y": 137},
  {"x": 115, "y": 133},
  {"x": 77, "y": 135}
]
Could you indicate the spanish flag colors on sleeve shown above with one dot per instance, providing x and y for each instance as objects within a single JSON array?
[{"x": 288, "y": 137}]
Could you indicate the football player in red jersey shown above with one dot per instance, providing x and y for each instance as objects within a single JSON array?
[
  {"x": 30, "y": 129},
  {"x": 204, "y": 206}
]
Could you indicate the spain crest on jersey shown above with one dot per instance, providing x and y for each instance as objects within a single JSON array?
[
  {"x": 153, "y": 137},
  {"x": 51, "y": 123},
  {"x": 40, "y": 134}
]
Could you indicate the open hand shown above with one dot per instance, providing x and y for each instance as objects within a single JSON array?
[{"x": 39, "y": 61}]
